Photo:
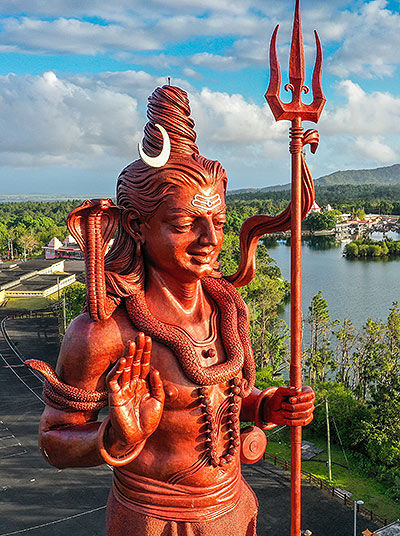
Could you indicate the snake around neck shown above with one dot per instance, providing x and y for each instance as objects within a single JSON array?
[{"x": 234, "y": 331}]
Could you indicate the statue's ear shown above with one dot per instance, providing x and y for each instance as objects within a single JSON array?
[{"x": 131, "y": 223}]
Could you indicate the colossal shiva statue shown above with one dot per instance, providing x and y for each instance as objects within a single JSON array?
[{"x": 164, "y": 342}]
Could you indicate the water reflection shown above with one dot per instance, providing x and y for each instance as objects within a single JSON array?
[
  {"x": 270, "y": 241},
  {"x": 322, "y": 243}
]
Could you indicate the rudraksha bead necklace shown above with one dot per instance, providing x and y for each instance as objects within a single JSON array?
[{"x": 232, "y": 420}]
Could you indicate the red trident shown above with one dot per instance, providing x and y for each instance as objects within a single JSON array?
[{"x": 296, "y": 112}]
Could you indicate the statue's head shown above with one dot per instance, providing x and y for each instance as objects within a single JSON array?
[{"x": 184, "y": 189}]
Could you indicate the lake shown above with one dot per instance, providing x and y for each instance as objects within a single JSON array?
[{"x": 354, "y": 288}]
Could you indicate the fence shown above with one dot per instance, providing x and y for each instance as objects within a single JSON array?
[
  {"x": 33, "y": 314},
  {"x": 335, "y": 492}
]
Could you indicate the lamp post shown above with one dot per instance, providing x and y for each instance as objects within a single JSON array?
[{"x": 356, "y": 503}]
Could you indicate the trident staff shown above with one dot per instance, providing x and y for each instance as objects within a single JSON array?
[{"x": 296, "y": 112}]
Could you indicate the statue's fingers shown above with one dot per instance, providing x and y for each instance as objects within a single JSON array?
[
  {"x": 306, "y": 395},
  {"x": 156, "y": 386},
  {"x": 135, "y": 373},
  {"x": 299, "y": 422},
  {"x": 129, "y": 355},
  {"x": 114, "y": 375},
  {"x": 304, "y": 406},
  {"x": 297, "y": 416},
  {"x": 146, "y": 358},
  {"x": 302, "y": 399}
]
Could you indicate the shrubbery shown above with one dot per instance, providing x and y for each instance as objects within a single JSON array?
[{"x": 372, "y": 248}]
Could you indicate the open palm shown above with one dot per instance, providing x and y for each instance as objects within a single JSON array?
[{"x": 136, "y": 394}]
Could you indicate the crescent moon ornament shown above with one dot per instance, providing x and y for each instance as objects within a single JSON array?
[{"x": 162, "y": 158}]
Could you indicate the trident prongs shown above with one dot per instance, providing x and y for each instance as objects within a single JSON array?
[{"x": 296, "y": 108}]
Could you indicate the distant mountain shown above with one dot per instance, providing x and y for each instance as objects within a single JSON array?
[{"x": 383, "y": 176}]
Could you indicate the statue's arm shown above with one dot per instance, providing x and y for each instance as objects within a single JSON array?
[
  {"x": 99, "y": 356},
  {"x": 69, "y": 438}
]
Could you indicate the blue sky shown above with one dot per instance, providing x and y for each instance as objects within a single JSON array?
[{"x": 75, "y": 76}]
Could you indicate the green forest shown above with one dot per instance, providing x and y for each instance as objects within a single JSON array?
[
  {"x": 26, "y": 227},
  {"x": 347, "y": 198}
]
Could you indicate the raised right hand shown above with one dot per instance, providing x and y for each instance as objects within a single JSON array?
[{"x": 136, "y": 396}]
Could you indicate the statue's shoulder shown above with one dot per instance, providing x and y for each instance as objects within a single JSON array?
[{"x": 90, "y": 347}]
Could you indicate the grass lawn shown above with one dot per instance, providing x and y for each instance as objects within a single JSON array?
[
  {"x": 31, "y": 303},
  {"x": 361, "y": 486}
]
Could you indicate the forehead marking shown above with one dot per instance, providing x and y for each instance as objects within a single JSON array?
[{"x": 207, "y": 202}]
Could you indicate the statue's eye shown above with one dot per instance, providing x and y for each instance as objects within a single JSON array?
[
  {"x": 183, "y": 227},
  {"x": 219, "y": 223}
]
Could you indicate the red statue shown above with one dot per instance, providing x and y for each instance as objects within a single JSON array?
[
  {"x": 164, "y": 342},
  {"x": 164, "y": 337}
]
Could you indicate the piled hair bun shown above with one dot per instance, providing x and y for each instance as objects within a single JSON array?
[{"x": 169, "y": 107}]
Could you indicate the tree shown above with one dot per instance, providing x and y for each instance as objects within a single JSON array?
[
  {"x": 351, "y": 250},
  {"x": 28, "y": 243},
  {"x": 318, "y": 221},
  {"x": 348, "y": 413},
  {"x": 4, "y": 238},
  {"x": 319, "y": 356},
  {"x": 367, "y": 358},
  {"x": 346, "y": 337},
  {"x": 75, "y": 296},
  {"x": 359, "y": 214},
  {"x": 383, "y": 428}
]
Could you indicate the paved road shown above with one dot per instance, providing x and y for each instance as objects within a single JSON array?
[
  {"x": 39, "y": 500},
  {"x": 321, "y": 513},
  {"x": 33, "y": 494}
]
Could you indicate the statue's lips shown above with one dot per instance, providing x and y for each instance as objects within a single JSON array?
[{"x": 202, "y": 257}]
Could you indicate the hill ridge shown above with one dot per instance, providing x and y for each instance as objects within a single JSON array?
[{"x": 382, "y": 176}]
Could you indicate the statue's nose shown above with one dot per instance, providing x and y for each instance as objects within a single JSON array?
[{"x": 208, "y": 235}]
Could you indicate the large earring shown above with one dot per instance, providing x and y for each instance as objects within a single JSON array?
[{"x": 138, "y": 252}]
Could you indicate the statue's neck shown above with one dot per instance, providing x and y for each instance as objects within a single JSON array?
[{"x": 175, "y": 302}]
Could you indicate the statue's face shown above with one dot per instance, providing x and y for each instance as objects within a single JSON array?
[{"x": 184, "y": 237}]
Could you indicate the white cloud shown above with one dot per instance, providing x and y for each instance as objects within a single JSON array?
[
  {"x": 232, "y": 124},
  {"x": 191, "y": 73},
  {"x": 216, "y": 61},
  {"x": 119, "y": 9},
  {"x": 74, "y": 36},
  {"x": 361, "y": 132},
  {"x": 376, "y": 150},
  {"x": 371, "y": 41},
  {"x": 49, "y": 120},
  {"x": 93, "y": 122},
  {"x": 363, "y": 113}
]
